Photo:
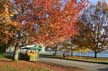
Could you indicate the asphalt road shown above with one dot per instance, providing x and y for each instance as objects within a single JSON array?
[{"x": 84, "y": 65}]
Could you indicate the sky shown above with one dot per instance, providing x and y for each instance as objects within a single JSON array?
[{"x": 95, "y": 1}]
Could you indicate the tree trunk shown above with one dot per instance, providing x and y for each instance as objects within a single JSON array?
[
  {"x": 16, "y": 54},
  {"x": 71, "y": 53},
  {"x": 95, "y": 54},
  {"x": 64, "y": 55},
  {"x": 55, "y": 53}
]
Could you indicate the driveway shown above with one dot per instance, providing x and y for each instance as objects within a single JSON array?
[{"x": 84, "y": 65}]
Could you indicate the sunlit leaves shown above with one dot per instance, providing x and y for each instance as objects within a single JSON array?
[{"x": 56, "y": 19}]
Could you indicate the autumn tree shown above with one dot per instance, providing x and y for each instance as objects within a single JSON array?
[
  {"x": 66, "y": 47},
  {"x": 42, "y": 21},
  {"x": 12, "y": 33},
  {"x": 7, "y": 26},
  {"x": 93, "y": 27},
  {"x": 54, "y": 20}
]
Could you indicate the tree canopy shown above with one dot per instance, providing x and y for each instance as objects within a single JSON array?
[
  {"x": 47, "y": 22},
  {"x": 93, "y": 27},
  {"x": 52, "y": 20}
]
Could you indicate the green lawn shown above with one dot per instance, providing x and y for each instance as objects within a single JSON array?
[{"x": 2, "y": 56}]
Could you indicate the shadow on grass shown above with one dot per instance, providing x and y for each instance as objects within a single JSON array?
[
  {"x": 5, "y": 58},
  {"x": 49, "y": 56},
  {"x": 8, "y": 57}
]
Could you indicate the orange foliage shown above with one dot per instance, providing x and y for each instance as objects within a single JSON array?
[{"x": 56, "y": 19}]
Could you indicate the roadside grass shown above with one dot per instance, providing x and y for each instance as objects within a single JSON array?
[
  {"x": 2, "y": 56},
  {"x": 20, "y": 66},
  {"x": 9, "y": 65},
  {"x": 79, "y": 58},
  {"x": 89, "y": 59}
]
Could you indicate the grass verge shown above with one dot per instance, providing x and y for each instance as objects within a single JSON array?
[{"x": 7, "y": 64}]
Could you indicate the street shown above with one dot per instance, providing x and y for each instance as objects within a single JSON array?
[{"x": 84, "y": 65}]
